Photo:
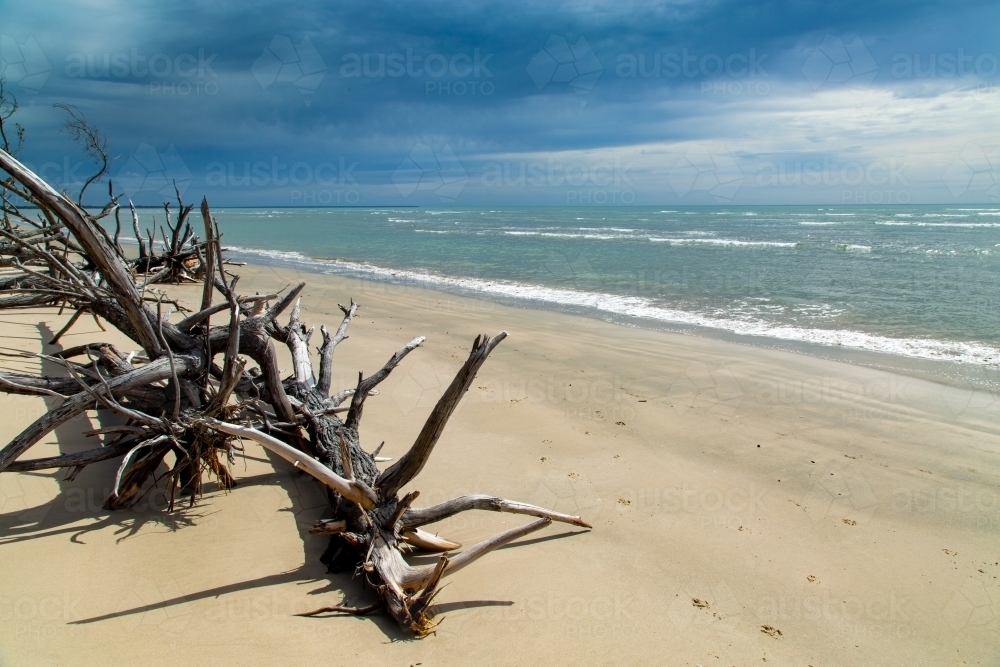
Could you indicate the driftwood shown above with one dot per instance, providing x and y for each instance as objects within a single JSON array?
[{"x": 183, "y": 412}]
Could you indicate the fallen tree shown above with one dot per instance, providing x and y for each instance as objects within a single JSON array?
[{"x": 183, "y": 412}]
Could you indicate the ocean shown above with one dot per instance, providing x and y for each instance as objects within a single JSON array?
[{"x": 913, "y": 288}]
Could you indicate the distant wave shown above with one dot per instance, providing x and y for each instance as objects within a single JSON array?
[
  {"x": 643, "y": 308},
  {"x": 629, "y": 234},
  {"x": 938, "y": 224},
  {"x": 723, "y": 242},
  {"x": 567, "y": 235},
  {"x": 853, "y": 247}
]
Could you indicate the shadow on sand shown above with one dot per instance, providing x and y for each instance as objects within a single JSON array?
[{"x": 77, "y": 510}]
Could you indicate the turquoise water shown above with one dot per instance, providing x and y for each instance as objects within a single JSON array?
[{"x": 916, "y": 282}]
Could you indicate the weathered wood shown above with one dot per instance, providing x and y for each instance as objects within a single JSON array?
[
  {"x": 428, "y": 541},
  {"x": 66, "y": 327},
  {"x": 297, "y": 340},
  {"x": 340, "y": 609},
  {"x": 176, "y": 398},
  {"x": 70, "y": 460},
  {"x": 80, "y": 402},
  {"x": 209, "y": 268},
  {"x": 419, "y": 577},
  {"x": 365, "y": 385},
  {"x": 353, "y": 490},
  {"x": 329, "y": 345},
  {"x": 411, "y": 463},
  {"x": 97, "y": 249},
  {"x": 423, "y": 516},
  {"x": 27, "y": 385},
  {"x": 143, "y": 254}
]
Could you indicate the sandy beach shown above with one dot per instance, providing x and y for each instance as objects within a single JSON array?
[{"x": 749, "y": 506}]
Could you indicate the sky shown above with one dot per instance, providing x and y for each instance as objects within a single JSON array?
[{"x": 515, "y": 103}]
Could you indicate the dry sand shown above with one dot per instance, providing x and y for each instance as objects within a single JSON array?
[{"x": 749, "y": 506}]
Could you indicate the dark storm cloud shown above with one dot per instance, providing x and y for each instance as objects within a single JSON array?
[{"x": 350, "y": 89}]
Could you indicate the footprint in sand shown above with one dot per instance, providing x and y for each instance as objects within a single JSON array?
[{"x": 770, "y": 630}]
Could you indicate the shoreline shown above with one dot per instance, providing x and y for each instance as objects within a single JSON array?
[
  {"x": 985, "y": 376},
  {"x": 748, "y": 504}
]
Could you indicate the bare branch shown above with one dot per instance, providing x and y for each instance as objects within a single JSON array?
[
  {"x": 401, "y": 506},
  {"x": 76, "y": 459},
  {"x": 233, "y": 367},
  {"x": 339, "y": 609},
  {"x": 9, "y": 107},
  {"x": 138, "y": 233},
  {"x": 427, "y": 541},
  {"x": 370, "y": 382},
  {"x": 280, "y": 306},
  {"x": 297, "y": 340},
  {"x": 74, "y": 405},
  {"x": 210, "y": 242},
  {"x": 411, "y": 463},
  {"x": 94, "y": 143},
  {"x": 423, "y": 516},
  {"x": 72, "y": 321},
  {"x": 419, "y": 577},
  {"x": 97, "y": 250},
  {"x": 353, "y": 490},
  {"x": 12, "y": 387},
  {"x": 329, "y": 344}
]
